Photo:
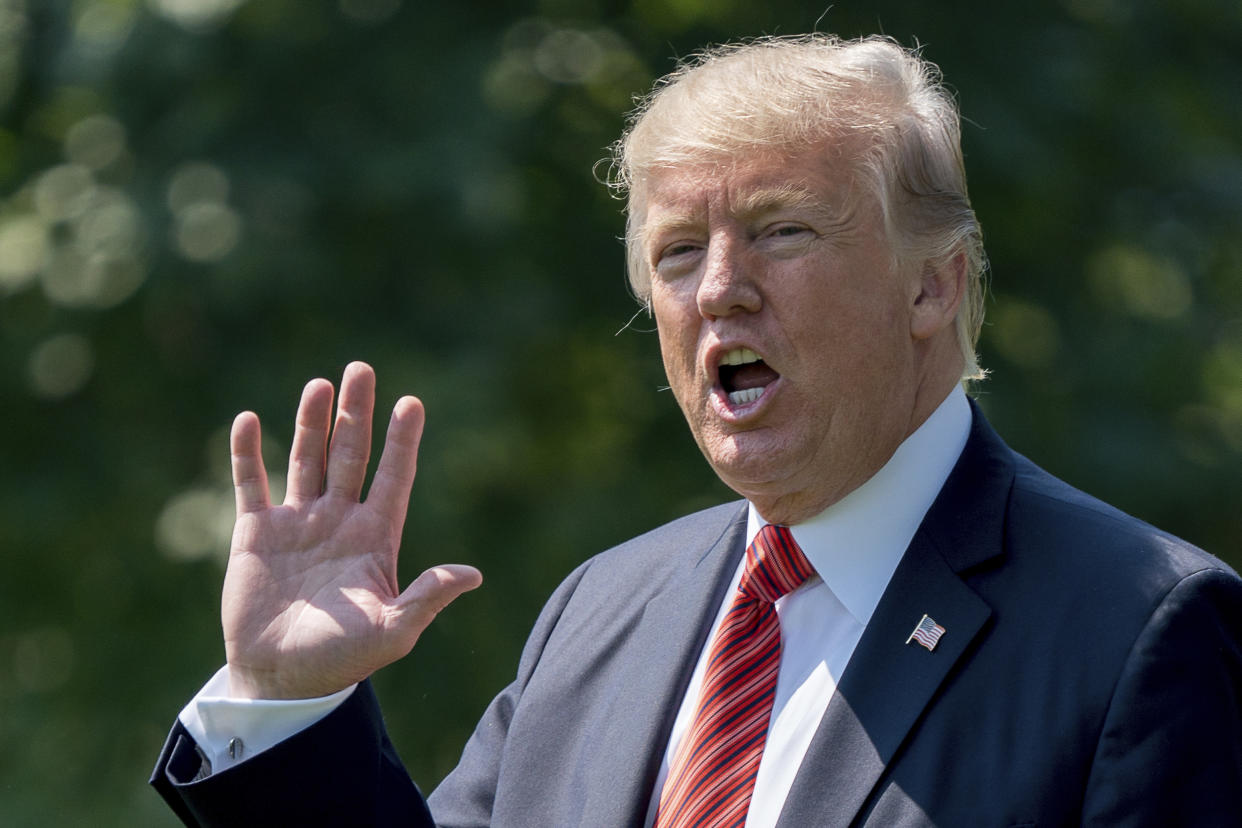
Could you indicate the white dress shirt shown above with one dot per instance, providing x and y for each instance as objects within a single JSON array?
[{"x": 854, "y": 545}]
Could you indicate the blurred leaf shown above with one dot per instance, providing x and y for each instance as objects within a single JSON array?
[{"x": 203, "y": 205}]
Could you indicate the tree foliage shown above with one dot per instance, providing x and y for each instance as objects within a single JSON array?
[{"x": 204, "y": 204}]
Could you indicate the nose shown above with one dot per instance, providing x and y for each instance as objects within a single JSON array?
[{"x": 727, "y": 285}]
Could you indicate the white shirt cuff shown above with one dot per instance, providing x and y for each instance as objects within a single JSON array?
[{"x": 229, "y": 729}]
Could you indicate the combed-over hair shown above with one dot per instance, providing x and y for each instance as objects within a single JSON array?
[{"x": 881, "y": 105}]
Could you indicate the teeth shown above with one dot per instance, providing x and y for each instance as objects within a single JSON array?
[
  {"x": 746, "y": 395},
  {"x": 739, "y": 356}
]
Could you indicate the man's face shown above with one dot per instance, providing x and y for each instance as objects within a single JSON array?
[{"x": 784, "y": 325}]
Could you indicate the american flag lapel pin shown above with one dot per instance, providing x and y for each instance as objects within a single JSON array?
[{"x": 927, "y": 632}]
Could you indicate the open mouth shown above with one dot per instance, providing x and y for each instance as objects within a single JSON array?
[{"x": 744, "y": 375}]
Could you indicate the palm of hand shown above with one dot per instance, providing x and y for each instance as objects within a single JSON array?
[{"x": 311, "y": 602}]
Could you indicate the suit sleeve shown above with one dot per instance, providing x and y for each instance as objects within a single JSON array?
[
  {"x": 343, "y": 770},
  {"x": 1170, "y": 752}
]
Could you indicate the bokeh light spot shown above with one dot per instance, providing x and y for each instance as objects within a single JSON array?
[
  {"x": 568, "y": 56},
  {"x": 60, "y": 366},
  {"x": 95, "y": 142},
  {"x": 196, "y": 15},
  {"x": 97, "y": 258},
  {"x": 24, "y": 247},
  {"x": 195, "y": 524},
  {"x": 63, "y": 192},
  {"x": 1024, "y": 333},
  {"x": 95, "y": 279},
  {"x": 1139, "y": 282},
  {"x": 111, "y": 224},
  {"x": 103, "y": 25},
  {"x": 206, "y": 232},
  {"x": 195, "y": 182}
]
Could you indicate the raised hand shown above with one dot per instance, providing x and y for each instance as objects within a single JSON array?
[{"x": 311, "y": 602}]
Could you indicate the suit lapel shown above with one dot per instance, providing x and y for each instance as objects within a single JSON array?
[
  {"x": 888, "y": 683},
  {"x": 662, "y": 652}
]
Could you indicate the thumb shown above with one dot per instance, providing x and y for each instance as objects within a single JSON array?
[{"x": 431, "y": 592}]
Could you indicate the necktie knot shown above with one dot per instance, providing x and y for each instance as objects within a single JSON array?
[{"x": 775, "y": 565}]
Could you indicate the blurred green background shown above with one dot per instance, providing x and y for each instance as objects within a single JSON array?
[{"x": 204, "y": 203}]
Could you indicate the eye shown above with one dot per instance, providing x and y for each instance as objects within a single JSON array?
[
  {"x": 786, "y": 238},
  {"x": 678, "y": 249},
  {"x": 786, "y": 230},
  {"x": 677, "y": 257}
]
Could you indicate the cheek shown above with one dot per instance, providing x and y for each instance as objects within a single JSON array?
[
  {"x": 677, "y": 329},
  {"x": 678, "y": 358}
]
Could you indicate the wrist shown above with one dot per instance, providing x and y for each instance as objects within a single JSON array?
[{"x": 259, "y": 684}]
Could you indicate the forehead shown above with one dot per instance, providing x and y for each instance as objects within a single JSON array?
[{"x": 743, "y": 185}]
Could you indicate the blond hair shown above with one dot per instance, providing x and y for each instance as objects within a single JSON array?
[{"x": 884, "y": 106}]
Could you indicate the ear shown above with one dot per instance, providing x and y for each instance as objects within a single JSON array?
[{"x": 937, "y": 296}]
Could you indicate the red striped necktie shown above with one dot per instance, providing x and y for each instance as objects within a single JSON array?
[{"x": 713, "y": 773}]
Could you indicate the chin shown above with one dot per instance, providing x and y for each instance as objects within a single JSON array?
[{"x": 751, "y": 475}]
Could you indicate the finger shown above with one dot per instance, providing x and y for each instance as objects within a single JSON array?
[
  {"x": 390, "y": 490},
  {"x": 310, "y": 439},
  {"x": 249, "y": 476},
  {"x": 430, "y": 593},
  {"x": 351, "y": 435}
]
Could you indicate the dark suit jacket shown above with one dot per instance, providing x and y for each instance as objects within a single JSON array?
[{"x": 1090, "y": 673}]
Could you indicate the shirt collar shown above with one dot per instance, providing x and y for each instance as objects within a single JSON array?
[{"x": 856, "y": 543}]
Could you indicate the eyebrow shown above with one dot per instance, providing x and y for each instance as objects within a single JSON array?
[
  {"x": 792, "y": 196},
  {"x": 666, "y": 224},
  {"x": 776, "y": 198},
  {"x": 756, "y": 203}
]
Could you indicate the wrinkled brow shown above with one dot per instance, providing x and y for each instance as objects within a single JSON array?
[
  {"x": 755, "y": 204},
  {"x": 789, "y": 197}
]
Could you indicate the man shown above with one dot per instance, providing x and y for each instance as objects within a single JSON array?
[{"x": 925, "y": 628}]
